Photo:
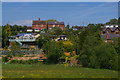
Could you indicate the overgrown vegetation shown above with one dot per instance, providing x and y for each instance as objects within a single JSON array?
[
  {"x": 87, "y": 43},
  {"x": 91, "y": 49}
]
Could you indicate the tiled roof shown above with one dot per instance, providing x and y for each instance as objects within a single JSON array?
[
  {"x": 110, "y": 36},
  {"x": 112, "y": 29},
  {"x": 22, "y": 34},
  {"x": 39, "y": 22},
  {"x": 56, "y": 22}
]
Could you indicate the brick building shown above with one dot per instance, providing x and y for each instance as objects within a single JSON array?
[
  {"x": 56, "y": 24},
  {"x": 38, "y": 25}
]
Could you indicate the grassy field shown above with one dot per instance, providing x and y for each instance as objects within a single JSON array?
[{"x": 54, "y": 71}]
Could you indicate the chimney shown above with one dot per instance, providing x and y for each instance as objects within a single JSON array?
[{"x": 38, "y": 19}]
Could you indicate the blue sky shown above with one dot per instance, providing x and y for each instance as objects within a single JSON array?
[{"x": 74, "y": 13}]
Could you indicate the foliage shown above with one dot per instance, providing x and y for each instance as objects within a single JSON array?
[
  {"x": 50, "y": 20},
  {"x": 56, "y": 31},
  {"x": 68, "y": 46},
  {"x": 113, "y": 22},
  {"x": 15, "y": 46},
  {"x": 24, "y": 61},
  {"x": 6, "y": 31},
  {"x": 6, "y": 58},
  {"x": 41, "y": 40},
  {"x": 10, "y": 30},
  {"x": 96, "y": 53},
  {"x": 53, "y": 51}
]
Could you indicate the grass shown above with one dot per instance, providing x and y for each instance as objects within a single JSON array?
[{"x": 54, "y": 71}]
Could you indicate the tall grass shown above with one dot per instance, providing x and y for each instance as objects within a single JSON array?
[{"x": 54, "y": 71}]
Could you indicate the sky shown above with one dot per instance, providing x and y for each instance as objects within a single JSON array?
[
  {"x": 72, "y": 13},
  {"x": 60, "y": 0},
  {"x": 0, "y": 13}
]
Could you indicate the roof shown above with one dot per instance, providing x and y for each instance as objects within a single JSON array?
[
  {"x": 112, "y": 29},
  {"x": 56, "y": 22},
  {"x": 39, "y": 22},
  {"x": 29, "y": 27},
  {"x": 22, "y": 34},
  {"x": 79, "y": 27},
  {"x": 58, "y": 36},
  {"x": 110, "y": 36}
]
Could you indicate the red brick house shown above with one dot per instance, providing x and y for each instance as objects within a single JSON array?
[
  {"x": 38, "y": 25},
  {"x": 56, "y": 24}
]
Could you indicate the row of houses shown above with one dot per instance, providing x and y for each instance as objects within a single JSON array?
[
  {"x": 38, "y": 25},
  {"x": 109, "y": 32}
]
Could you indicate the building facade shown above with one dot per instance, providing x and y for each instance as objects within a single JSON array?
[{"x": 38, "y": 25}]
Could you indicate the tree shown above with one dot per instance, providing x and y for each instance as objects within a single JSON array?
[
  {"x": 112, "y": 22},
  {"x": 51, "y": 20},
  {"x": 15, "y": 46},
  {"x": 54, "y": 52},
  {"x": 42, "y": 39},
  {"x": 56, "y": 31},
  {"x": 6, "y": 31},
  {"x": 68, "y": 26}
]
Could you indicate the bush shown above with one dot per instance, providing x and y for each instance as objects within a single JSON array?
[
  {"x": 94, "y": 61},
  {"x": 6, "y": 58},
  {"x": 54, "y": 52},
  {"x": 24, "y": 61}
]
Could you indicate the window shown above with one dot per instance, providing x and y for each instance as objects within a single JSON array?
[
  {"x": 53, "y": 25},
  {"x": 41, "y": 25},
  {"x": 36, "y": 25}
]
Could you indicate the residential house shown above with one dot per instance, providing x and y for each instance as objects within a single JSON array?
[
  {"x": 38, "y": 25},
  {"x": 26, "y": 40},
  {"x": 110, "y": 31},
  {"x": 29, "y": 29},
  {"x": 56, "y": 24},
  {"x": 59, "y": 37}
]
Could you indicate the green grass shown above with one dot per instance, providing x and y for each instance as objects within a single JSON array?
[{"x": 54, "y": 71}]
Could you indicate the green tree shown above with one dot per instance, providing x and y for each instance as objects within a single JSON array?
[
  {"x": 6, "y": 31},
  {"x": 112, "y": 22},
  {"x": 42, "y": 39},
  {"x": 54, "y": 52}
]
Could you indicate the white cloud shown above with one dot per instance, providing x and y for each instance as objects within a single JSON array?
[
  {"x": 60, "y": 0},
  {"x": 21, "y": 22}
]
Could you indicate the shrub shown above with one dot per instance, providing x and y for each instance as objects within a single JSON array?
[
  {"x": 6, "y": 58},
  {"x": 13, "y": 61},
  {"x": 24, "y": 61}
]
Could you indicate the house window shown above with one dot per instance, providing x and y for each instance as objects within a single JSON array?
[
  {"x": 53, "y": 25},
  {"x": 41, "y": 25},
  {"x": 36, "y": 25}
]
